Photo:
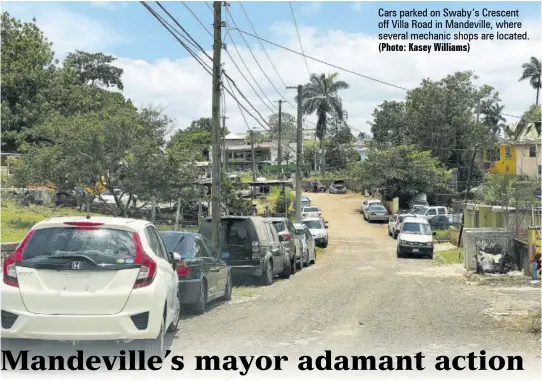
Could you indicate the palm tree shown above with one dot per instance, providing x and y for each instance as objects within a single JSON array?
[
  {"x": 532, "y": 71},
  {"x": 493, "y": 118},
  {"x": 320, "y": 95}
]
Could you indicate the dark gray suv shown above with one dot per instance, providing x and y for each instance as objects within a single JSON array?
[{"x": 251, "y": 247}]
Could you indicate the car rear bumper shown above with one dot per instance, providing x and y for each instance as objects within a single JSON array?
[
  {"x": 144, "y": 310},
  {"x": 189, "y": 290},
  {"x": 246, "y": 268},
  {"x": 416, "y": 250},
  {"x": 378, "y": 218}
]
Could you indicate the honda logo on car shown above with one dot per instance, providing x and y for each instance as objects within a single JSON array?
[{"x": 76, "y": 265}]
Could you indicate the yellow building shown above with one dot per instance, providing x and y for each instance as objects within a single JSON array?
[
  {"x": 522, "y": 157},
  {"x": 501, "y": 159}
]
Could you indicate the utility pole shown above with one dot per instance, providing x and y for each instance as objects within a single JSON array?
[
  {"x": 299, "y": 157},
  {"x": 224, "y": 153},
  {"x": 280, "y": 140},
  {"x": 216, "y": 86},
  {"x": 469, "y": 178},
  {"x": 253, "y": 167}
]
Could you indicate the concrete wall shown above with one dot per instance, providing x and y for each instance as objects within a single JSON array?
[{"x": 471, "y": 236}]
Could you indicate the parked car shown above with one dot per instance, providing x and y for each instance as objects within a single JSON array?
[
  {"x": 430, "y": 211},
  {"x": 439, "y": 222},
  {"x": 305, "y": 201},
  {"x": 366, "y": 203},
  {"x": 308, "y": 244},
  {"x": 203, "y": 276},
  {"x": 318, "y": 228},
  {"x": 311, "y": 211},
  {"x": 337, "y": 187},
  {"x": 415, "y": 237},
  {"x": 314, "y": 186},
  {"x": 251, "y": 247},
  {"x": 394, "y": 224},
  {"x": 79, "y": 279},
  {"x": 290, "y": 241},
  {"x": 376, "y": 212}
]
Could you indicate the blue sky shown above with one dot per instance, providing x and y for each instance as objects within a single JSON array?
[{"x": 338, "y": 32}]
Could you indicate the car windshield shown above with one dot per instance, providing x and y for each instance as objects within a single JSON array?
[
  {"x": 233, "y": 232},
  {"x": 416, "y": 228},
  {"x": 316, "y": 224},
  {"x": 103, "y": 246},
  {"x": 419, "y": 211},
  {"x": 311, "y": 210},
  {"x": 179, "y": 243}
]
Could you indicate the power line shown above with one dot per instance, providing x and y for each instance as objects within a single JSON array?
[
  {"x": 235, "y": 64},
  {"x": 262, "y": 45},
  {"x": 299, "y": 38},
  {"x": 252, "y": 53}
]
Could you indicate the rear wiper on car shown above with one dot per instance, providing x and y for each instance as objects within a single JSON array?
[{"x": 79, "y": 257}]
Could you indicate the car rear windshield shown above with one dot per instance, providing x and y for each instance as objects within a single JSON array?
[
  {"x": 280, "y": 226},
  {"x": 233, "y": 232},
  {"x": 300, "y": 231},
  {"x": 313, "y": 224},
  {"x": 420, "y": 211},
  {"x": 377, "y": 208},
  {"x": 310, "y": 210},
  {"x": 103, "y": 246},
  {"x": 179, "y": 243},
  {"x": 416, "y": 228}
]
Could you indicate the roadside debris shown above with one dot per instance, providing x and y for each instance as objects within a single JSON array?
[{"x": 491, "y": 258}]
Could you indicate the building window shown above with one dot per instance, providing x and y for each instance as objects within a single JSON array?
[
  {"x": 532, "y": 151},
  {"x": 508, "y": 152},
  {"x": 494, "y": 154}
]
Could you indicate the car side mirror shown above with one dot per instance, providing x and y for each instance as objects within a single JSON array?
[
  {"x": 175, "y": 258},
  {"x": 281, "y": 238}
]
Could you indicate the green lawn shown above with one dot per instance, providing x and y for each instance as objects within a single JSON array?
[
  {"x": 17, "y": 220},
  {"x": 451, "y": 256}
]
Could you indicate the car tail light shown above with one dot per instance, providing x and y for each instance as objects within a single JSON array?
[
  {"x": 286, "y": 236},
  {"x": 182, "y": 269},
  {"x": 84, "y": 224},
  {"x": 10, "y": 263},
  {"x": 255, "y": 249},
  {"x": 147, "y": 271}
]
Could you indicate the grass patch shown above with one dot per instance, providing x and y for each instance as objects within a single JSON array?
[
  {"x": 320, "y": 251},
  {"x": 244, "y": 291},
  {"x": 450, "y": 256},
  {"x": 442, "y": 233},
  {"x": 528, "y": 323},
  {"x": 17, "y": 220}
]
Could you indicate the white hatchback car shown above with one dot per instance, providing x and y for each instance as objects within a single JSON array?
[{"x": 79, "y": 279}]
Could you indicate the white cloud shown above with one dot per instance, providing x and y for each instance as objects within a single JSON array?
[
  {"x": 109, "y": 5},
  {"x": 357, "y": 6},
  {"x": 68, "y": 30},
  {"x": 311, "y": 8}
]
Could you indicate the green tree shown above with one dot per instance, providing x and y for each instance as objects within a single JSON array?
[
  {"x": 288, "y": 126},
  {"x": 197, "y": 137},
  {"x": 402, "y": 171},
  {"x": 321, "y": 95},
  {"x": 532, "y": 71},
  {"x": 493, "y": 118},
  {"x": 27, "y": 69},
  {"x": 94, "y": 68},
  {"x": 389, "y": 125}
]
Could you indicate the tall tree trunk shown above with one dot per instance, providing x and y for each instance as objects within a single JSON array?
[{"x": 537, "y": 93}]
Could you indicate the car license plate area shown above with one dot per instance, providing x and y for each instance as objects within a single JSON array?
[
  {"x": 415, "y": 250},
  {"x": 76, "y": 282}
]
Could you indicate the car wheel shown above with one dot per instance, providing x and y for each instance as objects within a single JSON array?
[
  {"x": 399, "y": 255},
  {"x": 228, "y": 288},
  {"x": 287, "y": 271},
  {"x": 155, "y": 347},
  {"x": 389, "y": 233},
  {"x": 325, "y": 243},
  {"x": 301, "y": 262},
  {"x": 174, "y": 326},
  {"x": 267, "y": 276},
  {"x": 307, "y": 262},
  {"x": 201, "y": 304},
  {"x": 394, "y": 235},
  {"x": 314, "y": 260},
  {"x": 293, "y": 265}
]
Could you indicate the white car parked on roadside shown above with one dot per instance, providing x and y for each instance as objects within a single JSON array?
[
  {"x": 79, "y": 279},
  {"x": 366, "y": 203}
]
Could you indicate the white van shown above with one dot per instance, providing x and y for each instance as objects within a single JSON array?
[{"x": 415, "y": 237}]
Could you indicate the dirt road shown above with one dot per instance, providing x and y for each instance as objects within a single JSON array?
[{"x": 358, "y": 298}]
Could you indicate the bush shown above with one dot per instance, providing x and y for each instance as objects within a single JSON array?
[{"x": 277, "y": 198}]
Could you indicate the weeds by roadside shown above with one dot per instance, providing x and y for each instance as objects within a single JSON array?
[
  {"x": 452, "y": 256},
  {"x": 528, "y": 323},
  {"x": 244, "y": 291},
  {"x": 320, "y": 251}
]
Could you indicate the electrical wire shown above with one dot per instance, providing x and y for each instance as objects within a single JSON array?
[{"x": 299, "y": 38}]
